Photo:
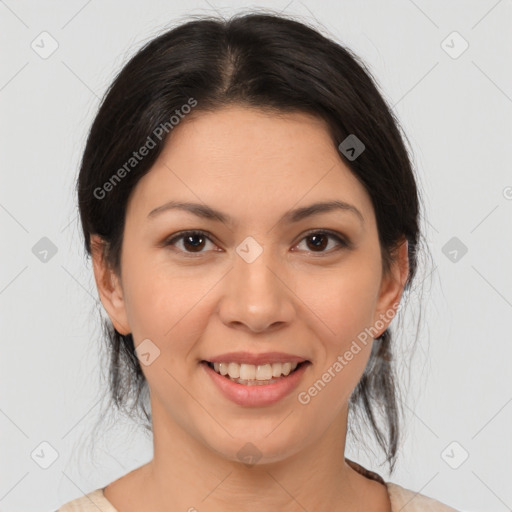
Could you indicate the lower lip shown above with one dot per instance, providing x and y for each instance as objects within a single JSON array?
[{"x": 257, "y": 395}]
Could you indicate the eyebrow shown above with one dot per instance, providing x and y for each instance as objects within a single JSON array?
[{"x": 296, "y": 215}]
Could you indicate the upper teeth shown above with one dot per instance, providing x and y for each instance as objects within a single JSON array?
[{"x": 254, "y": 372}]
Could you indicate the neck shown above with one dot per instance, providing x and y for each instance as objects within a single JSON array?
[{"x": 187, "y": 475}]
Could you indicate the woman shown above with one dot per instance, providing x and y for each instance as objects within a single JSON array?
[{"x": 252, "y": 217}]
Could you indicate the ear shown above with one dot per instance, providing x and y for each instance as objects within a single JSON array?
[
  {"x": 392, "y": 287},
  {"x": 109, "y": 286}
]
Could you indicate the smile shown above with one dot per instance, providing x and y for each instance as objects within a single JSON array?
[
  {"x": 251, "y": 374},
  {"x": 255, "y": 385}
]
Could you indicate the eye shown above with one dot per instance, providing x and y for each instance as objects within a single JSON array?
[
  {"x": 319, "y": 240},
  {"x": 193, "y": 241}
]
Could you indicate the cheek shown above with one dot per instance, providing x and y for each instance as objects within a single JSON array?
[
  {"x": 342, "y": 302},
  {"x": 343, "y": 308},
  {"x": 163, "y": 303}
]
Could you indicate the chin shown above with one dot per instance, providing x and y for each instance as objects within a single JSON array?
[{"x": 256, "y": 450}]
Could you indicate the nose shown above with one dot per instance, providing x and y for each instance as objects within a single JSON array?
[{"x": 256, "y": 296}]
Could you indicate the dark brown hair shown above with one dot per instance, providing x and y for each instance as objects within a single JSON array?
[{"x": 268, "y": 62}]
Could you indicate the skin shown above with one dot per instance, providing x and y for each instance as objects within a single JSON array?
[{"x": 294, "y": 298}]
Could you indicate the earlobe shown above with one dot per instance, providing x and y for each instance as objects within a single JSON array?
[
  {"x": 392, "y": 287},
  {"x": 109, "y": 286}
]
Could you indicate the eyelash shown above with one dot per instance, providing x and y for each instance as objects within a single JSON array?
[{"x": 343, "y": 242}]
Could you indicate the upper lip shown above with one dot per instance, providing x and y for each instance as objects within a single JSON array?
[{"x": 251, "y": 358}]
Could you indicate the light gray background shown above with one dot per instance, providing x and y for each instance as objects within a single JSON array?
[{"x": 457, "y": 113}]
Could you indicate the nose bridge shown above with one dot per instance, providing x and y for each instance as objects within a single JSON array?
[
  {"x": 257, "y": 284},
  {"x": 256, "y": 296}
]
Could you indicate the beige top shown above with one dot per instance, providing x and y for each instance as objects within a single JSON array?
[{"x": 402, "y": 500}]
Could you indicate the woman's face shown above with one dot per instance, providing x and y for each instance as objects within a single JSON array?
[{"x": 262, "y": 281}]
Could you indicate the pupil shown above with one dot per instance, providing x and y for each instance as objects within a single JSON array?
[
  {"x": 317, "y": 244},
  {"x": 192, "y": 237}
]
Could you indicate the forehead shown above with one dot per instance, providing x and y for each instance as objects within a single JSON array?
[
  {"x": 238, "y": 131},
  {"x": 247, "y": 160}
]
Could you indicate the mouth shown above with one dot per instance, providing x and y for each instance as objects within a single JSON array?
[
  {"x": 254, "y": 385},
  {"x": 255, "y": 375}
]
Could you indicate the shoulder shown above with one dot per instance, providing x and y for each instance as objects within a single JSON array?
[
  {"x": 91, "y": 502},
  {"x": 405, "y": 500}
]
